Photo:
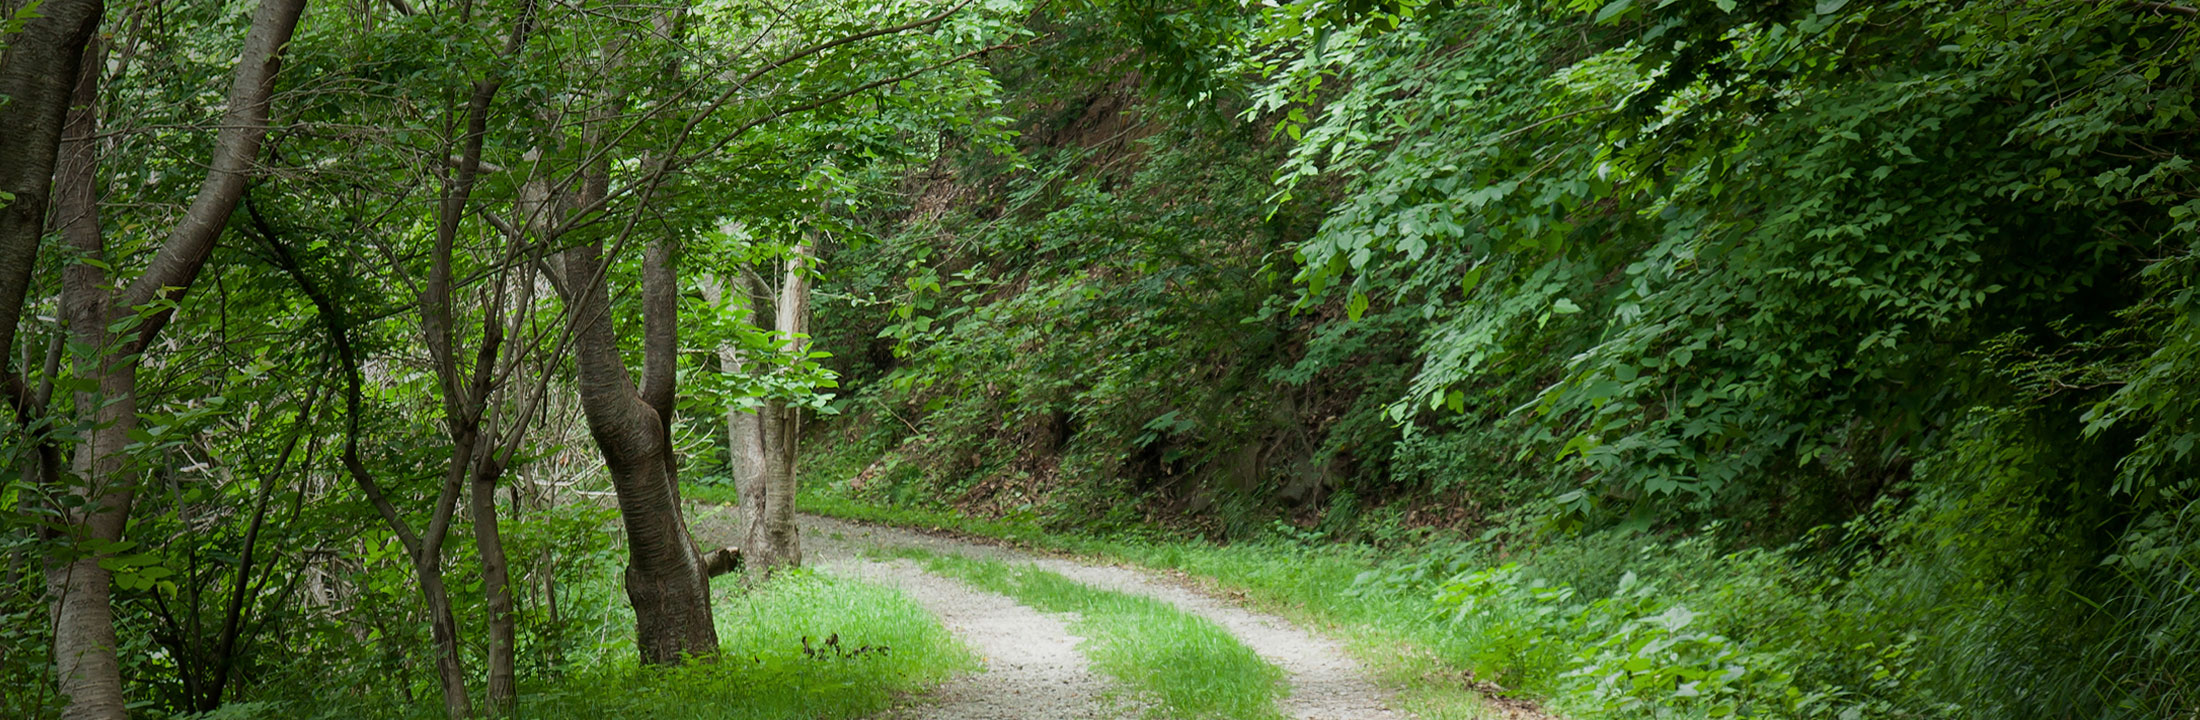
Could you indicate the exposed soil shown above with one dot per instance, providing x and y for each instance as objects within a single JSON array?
[{"x": 1033, "y": 669}]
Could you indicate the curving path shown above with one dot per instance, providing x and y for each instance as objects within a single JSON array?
[{"x": 1033, "y": 669}]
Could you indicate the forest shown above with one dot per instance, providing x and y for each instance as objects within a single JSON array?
[{"x": 1170, "y": 359}]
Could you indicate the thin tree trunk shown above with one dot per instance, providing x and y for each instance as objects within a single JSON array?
[
  {"x": 784, "y": 432},
  {"x": 550, "y": 605},
  {"x": 744, "y": 427},
  {"x": 425, "y": 553},
  {"x": 466, "y": 403},
  {"x": 78, "y": 589},
  {"x": 443, "y": 627},
  {"x": 496, "y": 584}
]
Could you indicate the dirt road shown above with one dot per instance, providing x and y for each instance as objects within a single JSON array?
[{"x": 1033, "y": 669}]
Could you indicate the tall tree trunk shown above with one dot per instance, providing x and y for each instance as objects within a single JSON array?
[
  {"x": 84, "y": 635},
  {"x": 745, "y": 293},
  {"x": 783, "y": 424},
  {"x": 78, "y": 588},
  {"x": 38, "y": 73},
  {"x": 466, "y": 401},
  {"x": 762, "y": 442},
  {"x": 666, "y": 580}
]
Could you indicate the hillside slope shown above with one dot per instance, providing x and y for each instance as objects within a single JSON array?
[{"x": 1797, "y": 360}]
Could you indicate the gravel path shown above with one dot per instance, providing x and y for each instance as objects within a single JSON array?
[
  {"x": 1033, "y": 670},
  {"x": 1045, "y": 677}
]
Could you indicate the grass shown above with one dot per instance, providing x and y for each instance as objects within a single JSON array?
[
  {"x": 1438, "y": 673},
  {"x": 710, "y": 493},
  {"x": 1186, "y": 665},
  {"x": 886, "y": 647},
  {"x": 1393, "y": 633}
]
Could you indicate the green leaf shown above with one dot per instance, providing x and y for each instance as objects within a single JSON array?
[
  {"x": 1565, "y": 307},
  {"x": 1472, "y": 279},
  {"x": 1613, "y": 9}
]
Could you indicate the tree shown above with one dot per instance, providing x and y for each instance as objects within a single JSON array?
[
  {"x": 479, "y": 453},
  {"x": 668, "y": 578},
  {"x": 402, "y": 215},
  {"x": 37, "y": 74},
  {"x": 762, "y": 440},
  {"x": 114, "y": 327}
]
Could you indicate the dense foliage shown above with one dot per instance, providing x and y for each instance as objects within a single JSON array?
[
  {"x": 1866, "y": 321},
  {"x": 1651, "y": 358}
]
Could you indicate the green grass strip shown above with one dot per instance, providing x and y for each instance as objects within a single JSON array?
[
  {"x": 886, "y": 645},
  {"x": 1188, "y": 666}
]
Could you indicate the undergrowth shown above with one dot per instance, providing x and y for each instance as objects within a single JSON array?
[{"x": 804, "y": 645}]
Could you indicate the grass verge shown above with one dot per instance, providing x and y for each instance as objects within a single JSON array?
[
  {"x": 1189, "y": 667},
  {"x": 803, "y": 646}
]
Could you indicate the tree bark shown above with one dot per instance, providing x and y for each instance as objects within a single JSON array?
[
  {"x": 443, "y": 627},
  {"x": 744, "y": 294},
  {"x": 503, "y": 688},
  {"x": 84, "y": 636},
  {"x": 78, "y": 588},
  {"x": 466, "y": 403},
  {"x": 38, "y": 74},
  {"x": 666, "y": 580},
  {"x": 762, "y": 442},
  {"x": 236, "y": 148},
  {"x": 783, "y": 424}
]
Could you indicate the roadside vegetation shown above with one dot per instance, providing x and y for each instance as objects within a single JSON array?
[
  {"x": 1817, "y": 359},
  {"x": 1609, "y": 625},
  {"x": 1390, "y": 631},
  {"x": 817, "y": 647},
  {"x": 812, "y": 647}
]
